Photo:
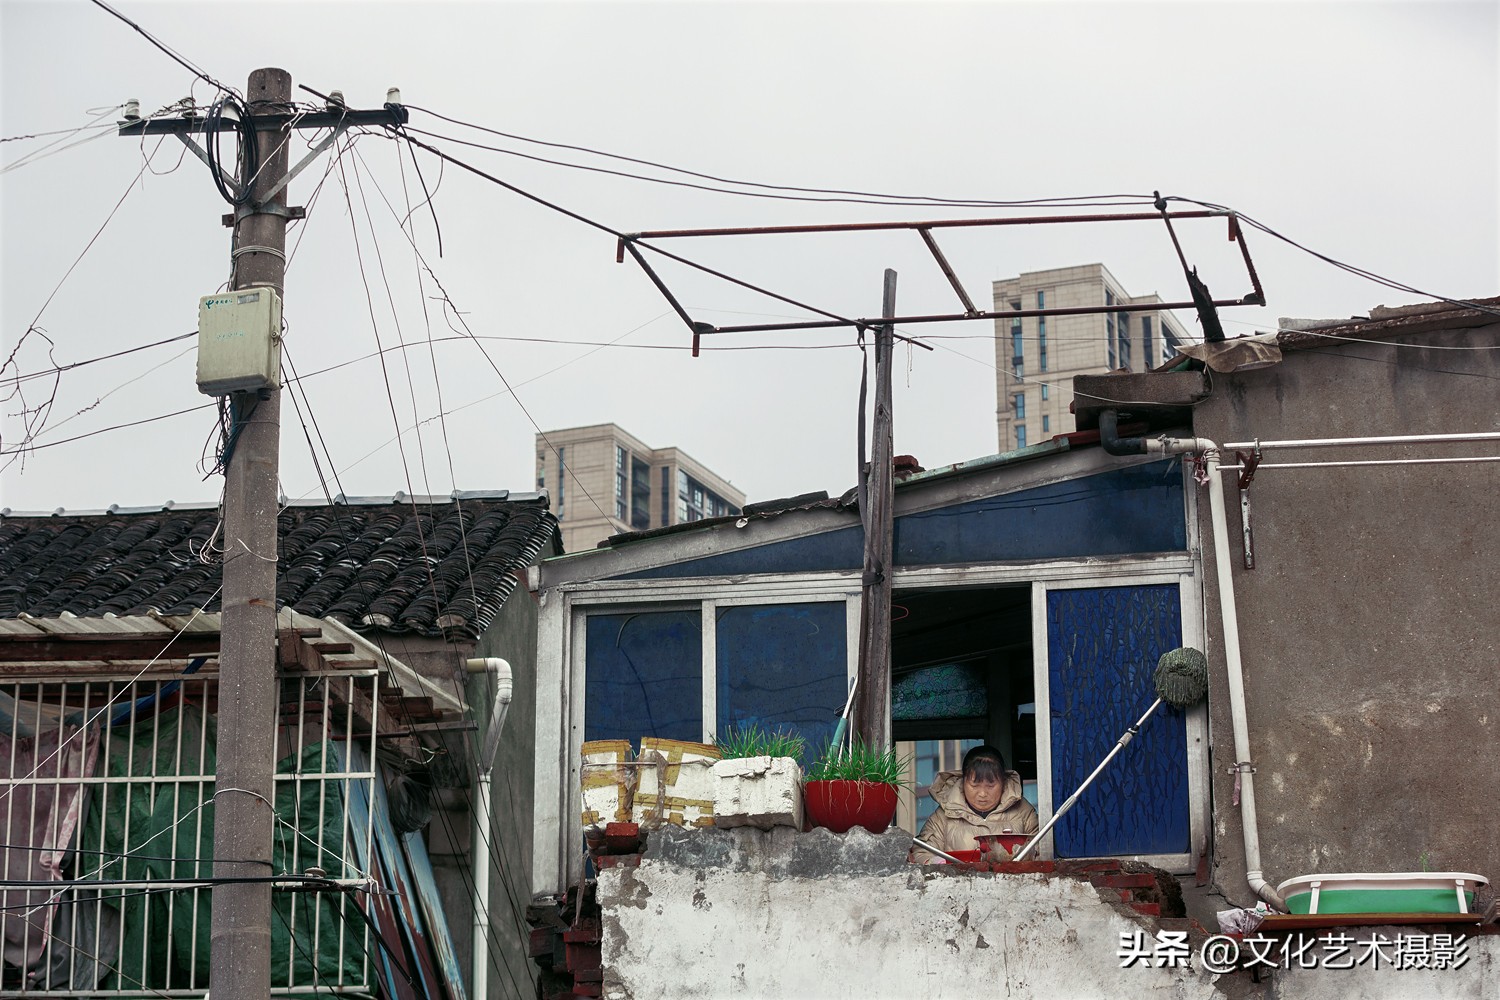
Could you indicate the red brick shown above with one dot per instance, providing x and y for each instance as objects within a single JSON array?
[
  {"x": 1149, "y": 909},
  {"x": 587, "y": 931},
  {"x": 588, "y": 989},
  {"x": 622, "y": 838},
  {"x": 540, "y": 942},
  {"x": 1124, "y": 881},
  {"x": 1024, "y": 867},
  {"x": 583, "y": 957}
]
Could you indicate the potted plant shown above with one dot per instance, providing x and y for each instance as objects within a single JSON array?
[
  {"x": 854, "y": 787},
  {"x": 758, "y": 779}
]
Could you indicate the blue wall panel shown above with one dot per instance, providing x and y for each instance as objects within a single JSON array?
[
  {"x": 1102, "y": 648},
  {"x": 1126, "y": 511},
  {"x": 1122, "y": 512}
]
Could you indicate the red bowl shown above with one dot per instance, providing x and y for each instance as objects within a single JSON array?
[{"x": 1012, "y": 842}]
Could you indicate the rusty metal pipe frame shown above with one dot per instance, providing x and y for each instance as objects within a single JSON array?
[
  {"x": 924, "y": 229},
  {"x": 955, "y": 317}
]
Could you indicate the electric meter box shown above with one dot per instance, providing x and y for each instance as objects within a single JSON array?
[{"x": 239, "y": 341}]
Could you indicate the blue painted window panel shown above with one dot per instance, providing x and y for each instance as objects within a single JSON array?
[
  {"x": 783, "y": 666},
  {"x": 1102, "y": 648},
  {"x": 644, "y": 676},
  {"x": 1139, "y": 509}
]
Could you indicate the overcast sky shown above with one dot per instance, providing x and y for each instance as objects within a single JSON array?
[{"x": 1366, "y": 132}]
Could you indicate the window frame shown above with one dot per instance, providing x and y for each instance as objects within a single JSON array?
[{"x": 562, "y": 666}]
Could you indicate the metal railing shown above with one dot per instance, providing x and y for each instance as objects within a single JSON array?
[{"x": 106, "y": 813}]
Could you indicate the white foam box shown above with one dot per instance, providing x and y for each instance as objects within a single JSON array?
[{"x": 763, "y": 792}]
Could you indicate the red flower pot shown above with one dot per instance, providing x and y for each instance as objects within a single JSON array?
[{"x": 841, "y": 805}]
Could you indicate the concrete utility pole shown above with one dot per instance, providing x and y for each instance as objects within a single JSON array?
[
  {"x": 873, "y": 718},
  {"x": 249, "y": 692},
  {"x": 240, "y": 957}
]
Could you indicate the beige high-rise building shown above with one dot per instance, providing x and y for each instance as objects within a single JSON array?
[
  {"x": 1037, "y": 356},
  {"x": 603, "y": 481}
]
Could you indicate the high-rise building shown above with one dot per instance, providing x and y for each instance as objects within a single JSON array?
[
  {"x": 603, "y": 481},
  {"x": 1036, "y": 357}
]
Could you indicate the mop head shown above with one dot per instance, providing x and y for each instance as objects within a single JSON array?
[{"x": 1182, "y": 677}]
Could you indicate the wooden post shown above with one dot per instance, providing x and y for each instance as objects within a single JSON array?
[
  {"x": 240, "y": 951},
  {"x": 873, "y": 711}
]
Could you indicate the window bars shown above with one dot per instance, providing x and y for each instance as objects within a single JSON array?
[{"x": 106, "y": 812}]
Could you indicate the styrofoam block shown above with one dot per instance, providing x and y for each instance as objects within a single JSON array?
[
  {"x": 763, "y": 792},
  {"x": 688, "y": 796}
]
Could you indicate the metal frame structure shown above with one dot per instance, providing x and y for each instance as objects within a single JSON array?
[
  {"x": 628, "y": 244},
  {"x": 133, "y": 756}
]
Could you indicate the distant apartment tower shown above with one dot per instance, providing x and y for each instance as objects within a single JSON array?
[
  {"x": 1036, "y": 357},
  {"x": 603, "y": 481}
]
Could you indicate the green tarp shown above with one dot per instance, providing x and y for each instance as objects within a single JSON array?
[{"x": 165, "y": 829}]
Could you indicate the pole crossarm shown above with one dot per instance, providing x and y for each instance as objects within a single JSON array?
[{"x": 271, "y": 121}]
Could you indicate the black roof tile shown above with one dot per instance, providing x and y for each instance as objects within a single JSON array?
[{"x": 434, "y": 569}]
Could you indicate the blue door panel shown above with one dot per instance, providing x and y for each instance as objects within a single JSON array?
[{"x": 1102, "y": 648}]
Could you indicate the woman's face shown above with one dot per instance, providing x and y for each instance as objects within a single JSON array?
[{"x": 983, "y": 794}]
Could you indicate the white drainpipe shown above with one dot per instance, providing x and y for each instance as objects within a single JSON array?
[
  {"x": 1229, "y": 617},
  {"x": 499, "y": 671}
]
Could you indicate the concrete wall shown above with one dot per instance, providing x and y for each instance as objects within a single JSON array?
[
  {"x": 450, "y": 840},
  {"x": 1368, "y": 626},
  {"x": 747, "y": 913}
]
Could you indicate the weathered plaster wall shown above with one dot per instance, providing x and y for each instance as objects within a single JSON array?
[
  {"x": 1368, "y": 626},
  {"x": 749, "y": 913},
  {"x": 753, "y": 914}
]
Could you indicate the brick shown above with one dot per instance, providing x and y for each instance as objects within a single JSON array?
[
  {"x": 588, "y": 989},
  {"x": 1149, "y": 909},
  {"x": 587, "y": 931},
  {"x": 582, "y": 957},
  {"x": 540, "y": 942},
  {"x": 1024, "y": 867},
  {"x": 1083, "y": 867},
  {"x": 1125, "y": 881},
  {"x": 622, "y": 838}
]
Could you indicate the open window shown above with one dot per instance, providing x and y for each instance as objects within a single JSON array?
[{"x": 961, "y": 674}]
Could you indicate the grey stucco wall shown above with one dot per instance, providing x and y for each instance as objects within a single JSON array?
[{"x": 1368, "y": 627}]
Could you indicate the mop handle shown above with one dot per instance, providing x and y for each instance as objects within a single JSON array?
[{"x": 1125, "y": 738}]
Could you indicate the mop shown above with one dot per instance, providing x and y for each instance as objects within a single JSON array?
[{"x": 1181, "y": 680}]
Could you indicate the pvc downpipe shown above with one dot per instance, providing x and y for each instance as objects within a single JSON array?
[
  {"x": 500, "y": 674},
  {"x": 1229, "y": 616}
]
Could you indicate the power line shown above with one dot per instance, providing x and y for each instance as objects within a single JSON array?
[
  {"x": 1352, "y": 269},
  {"x": 1103, "y": 200},
  {"x": 173, "y": 55},
  {"x": 59, "y": 369}
]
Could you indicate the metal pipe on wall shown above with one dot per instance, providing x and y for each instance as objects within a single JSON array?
[
  {"x": 500, "y": 672},
  {"x": 1229, "y": 618}
]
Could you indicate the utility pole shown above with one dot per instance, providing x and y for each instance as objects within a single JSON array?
[
  {"x": 873, "y": 717},
  {"x": 245, "y": 787},
  {"x": 249, "y": 691}
]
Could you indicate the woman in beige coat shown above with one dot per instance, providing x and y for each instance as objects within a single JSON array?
[{"x": 983, "y": 799}]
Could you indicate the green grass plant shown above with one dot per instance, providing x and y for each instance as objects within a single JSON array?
[
  {"x": 859, "y": 763},
  {"x": 753, "y": 741}
]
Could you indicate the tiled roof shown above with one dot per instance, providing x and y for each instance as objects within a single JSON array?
[{"x": 429, "y": 565}]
